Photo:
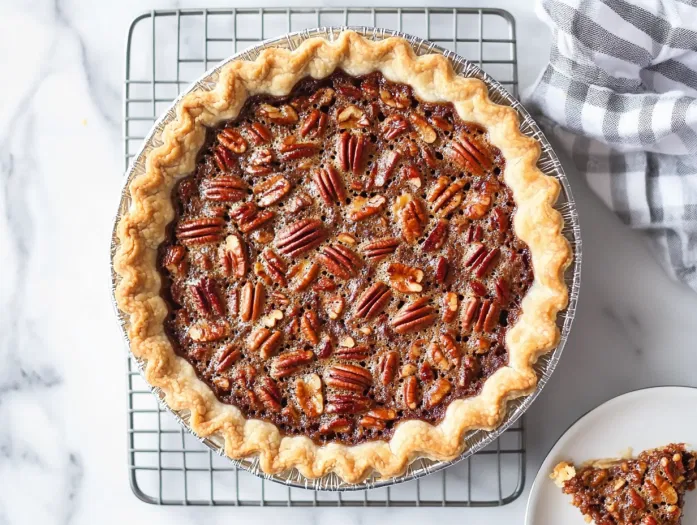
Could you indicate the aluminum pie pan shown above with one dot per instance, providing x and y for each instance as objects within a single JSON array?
[{"x": 548, "y": 163}]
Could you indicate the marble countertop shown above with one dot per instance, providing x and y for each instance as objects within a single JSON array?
[{"x": 62, "y": 387}]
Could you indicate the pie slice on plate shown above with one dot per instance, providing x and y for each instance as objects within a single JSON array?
[{"x": 648, "y": 490}]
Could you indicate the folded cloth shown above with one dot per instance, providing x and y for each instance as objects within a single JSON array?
[{"x": 620, "y": 95}]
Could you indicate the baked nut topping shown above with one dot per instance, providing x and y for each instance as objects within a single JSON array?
[
  {"x": 341, "y": 259},
  {"x": 647, "y": 490},
  {"x": 261, "y": 157}
]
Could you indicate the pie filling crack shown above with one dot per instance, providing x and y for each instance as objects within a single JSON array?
[{"x": 342, "y": 258}]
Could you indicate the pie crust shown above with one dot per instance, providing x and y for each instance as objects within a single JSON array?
[{"x": 142, "y": 229}]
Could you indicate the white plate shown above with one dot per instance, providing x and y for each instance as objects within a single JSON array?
[{"x": 639, "y": 420}]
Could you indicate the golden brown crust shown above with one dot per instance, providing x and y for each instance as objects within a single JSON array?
[{"x": 275, "y": 72}]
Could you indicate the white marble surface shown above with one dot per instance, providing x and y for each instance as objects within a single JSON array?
[{"x": 62, "y": 402}]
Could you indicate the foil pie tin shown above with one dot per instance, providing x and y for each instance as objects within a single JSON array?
[{"x": 549, "y": 163}]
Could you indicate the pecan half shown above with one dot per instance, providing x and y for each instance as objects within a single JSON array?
[
  {"x": 414, "y": 316},
  {"x": 362, "y": 208},
  {"x": 271, "y": 190},
  {"x": 352, "y": 117},
  {"x": 475, "y": 233},
  {"x": 323, "y": 97},
  {"x": 399, "y": 100},
  {"x": 224, "y": 188},
  {"x": 228, "y": 355},
  {"x": 233, "y": 258},
  {"x": 296, "y": 150},
  {"x": 232, "y": 140},
  {"x": 470, "y": 155},
  {"x": 436, "y": 394},
  {"x": 249, "y": 217},
  {"x": 307, "y": 277},
  {"x": 387, "y": 367},
  {"x": 206, "y": 332},
  {"x": 252, "y": 298},
  {"x": 269, "y": 394},
  {"x": 468, "y": 372},
  {"x": 393, "y": 126},
  {"x": 275, "y": 266},
  {"x": 500, "y": 220},
  {"x": 411, "y": 176},
  {"x": 354, "y": 353},
  {"x": 330, "y": 185},
  {"x": 373, "y": 301},
  {"x": 175, "y": 260},
  {"x": 314, "y": 125},
  {"x": 284, "y": 115},
  {"x": 426, "y": 372},
  {"x": 405, "y": 278},
  {"x": 481, "y": 260},
  {"x": 300, "y": 201},
  {"x": 349, "y": 91},
  {"x": 437, "y": 237},
  {"x": 308, "y": 392},
  {"x": 380, "y": 248},
  {"x": 477, "y": 205},
  {"x": 412, "y": 216},
  {"x": 441, "y": 123},
  {"x": 259, "y": 133},
  {"x": 326, "y": 348},
  {"x": 245, "y": 376},
  {"x": 437, "y": 358},
  {"x": 310, "y": 326},
  {"x": 223, "y": 158},
  {"x": 422, "y": 127},
  {"x": 377, "y": 418},
  {"x": 350, "y": 149},
  {"x": 300, "y": 237},
  {"x": 429, "y": 156},
  {"x": 200, "y": 231},
  {"x": 442, "y": 267},
  {"x": 337, "y": 425},
  {"x": 446, "y": 197},
  {"x": 260, "y": 162},
  {"x": 410, "y": 392},
  {"x": 348, "y": 377},
  {"x": 347, "y": 404},
  {"x": 450, "y": 348},
  {"x": 383, "y": 169},
  {"x": 266, "y": 341},
  {"x": 289, "y": 363},
  {"x": 450, "y": 305},
  {"x": 205, "y": 297},
  {"x": 340, "y": 261}
]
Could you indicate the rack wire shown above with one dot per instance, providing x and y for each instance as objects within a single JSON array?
[{"x": 165, "y": 52}]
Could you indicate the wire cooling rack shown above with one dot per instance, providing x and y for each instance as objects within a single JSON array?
[{"x": 166, "y": 51}]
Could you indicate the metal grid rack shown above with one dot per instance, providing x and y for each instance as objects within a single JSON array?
[{"x": 166, "y": 51}]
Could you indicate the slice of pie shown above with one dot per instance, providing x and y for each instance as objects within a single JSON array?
[
  {"x": 342, "y": 258},
  {"x": 648, "y": 490}
]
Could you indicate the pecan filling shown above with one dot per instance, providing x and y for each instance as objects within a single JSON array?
[
  {"x": 343, "y": 259},
  {"x": 649, "y": 490}
]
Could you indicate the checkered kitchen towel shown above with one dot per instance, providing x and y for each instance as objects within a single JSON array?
[{"x": 621, "y": 92}]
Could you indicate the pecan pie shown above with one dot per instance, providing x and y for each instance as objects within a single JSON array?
[
  {"x": 648, "y": 490},
  {"x": 342, "y": 258}
]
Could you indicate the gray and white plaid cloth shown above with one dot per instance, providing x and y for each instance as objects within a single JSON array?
[{"x": 621, "y": 94}]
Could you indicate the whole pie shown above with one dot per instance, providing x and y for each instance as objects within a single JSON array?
[
  {"x": 647, "y": 490},
  {"x": 342, "y": 258}
]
